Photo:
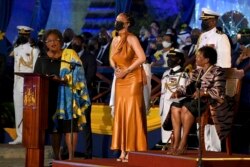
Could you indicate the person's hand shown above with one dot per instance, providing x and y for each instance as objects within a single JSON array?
[
  {"x": 175, "y": 95},
  {"x": 245, "y": 53},
  {"x": 58, "y": 79},
  {"x": 196, "y": 95},
  {"x": 120, "y": 73}
]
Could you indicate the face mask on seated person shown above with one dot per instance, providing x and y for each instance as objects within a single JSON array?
[
  {"x": 172, "y": 62},
  {"x": 159, "y": 46},
  {"x": 166, "y": 44}
]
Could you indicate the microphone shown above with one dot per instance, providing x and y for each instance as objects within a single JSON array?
[
  {"x": 60, "y": 60},
  {"x": 71, "y": 63}
]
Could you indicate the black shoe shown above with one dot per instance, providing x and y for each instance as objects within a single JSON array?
[
  {"x": 87, "y": 157},
  {"x": 64, "y": 156},
  {"x": 83, "y": 155},
  {"x": 50, "y": 164}
]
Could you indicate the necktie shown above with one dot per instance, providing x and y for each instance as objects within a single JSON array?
[
  {"x": 99, "y": 57},
  {"x": 191, "y": 50},
  {"x": 171, "y": 72}
]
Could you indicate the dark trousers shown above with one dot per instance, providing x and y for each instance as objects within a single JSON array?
[{"x": 88, "y": 132}]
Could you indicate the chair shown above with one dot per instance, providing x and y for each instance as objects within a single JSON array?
[{"x": 233, "y": 89}]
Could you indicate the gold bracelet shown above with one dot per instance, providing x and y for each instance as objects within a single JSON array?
[
  {"x": 128, "y": 70},
  {"x": 205, "y": 92}
]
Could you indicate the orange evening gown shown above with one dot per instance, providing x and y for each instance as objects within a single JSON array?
[{"x": 129, "y": 127}]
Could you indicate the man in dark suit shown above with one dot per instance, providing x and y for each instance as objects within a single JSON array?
[
  {"x": 104, "y": 39},
  {"x": 90, "y": 66},
  {"x": 68, "y": 35}
]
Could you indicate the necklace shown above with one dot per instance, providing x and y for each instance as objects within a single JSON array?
[{"x": 199, "y": 75}]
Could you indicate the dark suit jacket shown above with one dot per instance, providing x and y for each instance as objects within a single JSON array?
[
  {"x": 105, "y": 57},
  {"x": 90, "y": 67}
]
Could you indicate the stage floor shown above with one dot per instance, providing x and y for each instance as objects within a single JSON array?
[{"x": 160, "y": 159}]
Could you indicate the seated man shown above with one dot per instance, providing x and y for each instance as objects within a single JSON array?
[{"x": 172, "y": 79}]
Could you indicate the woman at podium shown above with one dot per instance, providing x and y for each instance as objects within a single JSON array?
[{"x": 68, "y": 95}]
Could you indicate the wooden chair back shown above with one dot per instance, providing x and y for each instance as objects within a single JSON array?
[{"x": 233, "y": 89}]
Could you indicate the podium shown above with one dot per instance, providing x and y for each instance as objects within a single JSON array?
[{"x": 35, "y": 117}]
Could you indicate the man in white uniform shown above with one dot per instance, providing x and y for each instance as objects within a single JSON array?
[
  {"x": 172, "y": 78},
  {"x": 220, "y": 42},
  {"x": 24, "y": 61},
  {"x": 214, "y": 38}
]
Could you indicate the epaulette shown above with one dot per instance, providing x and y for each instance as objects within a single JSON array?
[{"x": 219, "y": 32}]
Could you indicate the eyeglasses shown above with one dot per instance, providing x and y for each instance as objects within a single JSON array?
[{"x": 55, "y": 40}]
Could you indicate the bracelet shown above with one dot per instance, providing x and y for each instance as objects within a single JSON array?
[
  {"x": 128, "y": 70},
  {"x": 205, "y": 91}
]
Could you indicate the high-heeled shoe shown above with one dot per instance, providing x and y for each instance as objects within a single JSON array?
[
  {"x": 180, "y": 151},
  {"x": 171, "y": 151},
  {"x": 122, "y": 157},
  {"x": 125, "y": 158}
]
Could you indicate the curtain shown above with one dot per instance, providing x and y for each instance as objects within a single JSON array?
[
  {"x": 5, "y": 13},
  {"x": 187, "y": 8},
  {"x": 41, "y": 13}
]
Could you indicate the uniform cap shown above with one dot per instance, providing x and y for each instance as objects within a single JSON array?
[
  {"x": 175, "y": 52},
  {"x": 24, "y": 30},
  {"x": 169, "y": 32},
  {"x": 208, "y": 14},
  {"x": 183, "y": 35}
]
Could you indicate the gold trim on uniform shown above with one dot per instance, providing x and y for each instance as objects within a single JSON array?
[
  {"x": 173, "y": 84},
  {"x": 29, "y": 63}
]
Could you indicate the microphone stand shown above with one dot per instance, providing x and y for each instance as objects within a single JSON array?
[
  {"x": 198, "y": 87},
  {"x": 72, "y": 68}
]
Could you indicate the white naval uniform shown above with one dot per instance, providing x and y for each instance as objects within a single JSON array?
[
  {"x": 165, "y": 101},
  {"x": 221, "y": 44},
  {"x": 24, "y": 61}
]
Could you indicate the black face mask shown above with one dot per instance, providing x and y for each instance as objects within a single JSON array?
[
  {"x": 205, "y": 25},
  {"x": 66, "y": 39},
  {"x": 194, "y": 40},
  {"x": 172, "y": 62},
  {"x": 119, "y": 25},
  {"x": 76, "y": 48},
  {"x": 22, "y": 40},
  {"x": 103, "y": 41},
  {"x": 159, "y": 46}
]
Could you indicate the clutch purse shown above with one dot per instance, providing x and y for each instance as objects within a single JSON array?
[{"x": 167, "y": 124}]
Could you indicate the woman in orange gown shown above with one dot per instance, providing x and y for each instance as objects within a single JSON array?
[{"x": 126, "y": 57}]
